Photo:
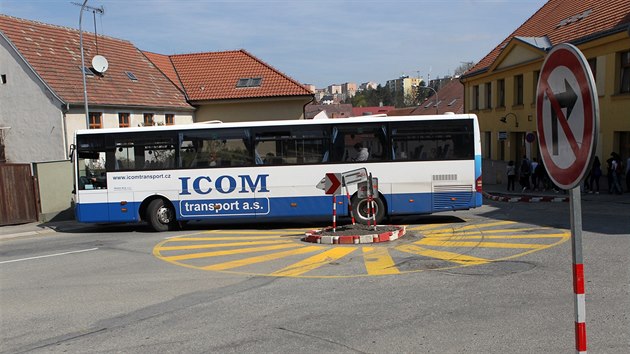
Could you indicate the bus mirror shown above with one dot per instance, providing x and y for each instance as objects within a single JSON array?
[{"x": 72, "y": 148}]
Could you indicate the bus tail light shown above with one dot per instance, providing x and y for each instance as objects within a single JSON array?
[{"x": 478, "y": 185}]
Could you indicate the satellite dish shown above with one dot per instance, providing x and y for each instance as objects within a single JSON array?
[{"x": 99, "y": 63}]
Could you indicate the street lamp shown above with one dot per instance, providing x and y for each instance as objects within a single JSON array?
[
  {"x": 85, "y": 98},
  {"x": 437, "y": 100},
  {"x": 505, "y": 117}
]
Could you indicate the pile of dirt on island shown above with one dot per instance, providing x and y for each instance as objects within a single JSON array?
[{"x": 357, "y": 229}]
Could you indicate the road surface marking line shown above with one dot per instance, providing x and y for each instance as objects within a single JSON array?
[
  {"x": 228, "y": 252},
  {"x": 443, "y": 255},
  {"x": 260, "y": 259},
  {"x": 378, "y": 261},
  {"x": 227, "y": 238},
  {"x": 244, "y": 232},
  {"x": 431, "y": 242},
  {"x": 497, "y": 237},
  {"x": 48, "y": 255},
  {"x": 219, "y": 245},
  {"x": 315, "y": 261},
  {"x": 451, "y": 232}
]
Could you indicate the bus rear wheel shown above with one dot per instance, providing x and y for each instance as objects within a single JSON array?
[
  {"x": 360, "y": 210},
  {"x": 161, "y": 215}
]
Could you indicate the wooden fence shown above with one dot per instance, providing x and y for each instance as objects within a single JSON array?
[{"x": 19, "y": 196}]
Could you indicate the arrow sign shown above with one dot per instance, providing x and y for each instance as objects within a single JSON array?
[
  {"x": 566, "y": 99},
  {"x": 331, "y": 183},
  {"x": 567, "y": 115}
]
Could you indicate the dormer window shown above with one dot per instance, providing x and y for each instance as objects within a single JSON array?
[
  {"x": 131, "y": 76},
  {"x": 87, "y": 71},
  {"x": 249, "y": 82}
]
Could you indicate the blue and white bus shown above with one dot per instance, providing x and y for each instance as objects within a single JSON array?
[{"x": 269, "y": 170}]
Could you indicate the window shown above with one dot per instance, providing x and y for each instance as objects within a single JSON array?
[
  {"x": 131, "y": 76},
  {"x": 518, "y": 90},
  {"x": 488, "y": 93},
  {"x": 148, "y": 119},
  {"x": 96, "y": 120},
  {"x": 359, "y": 142},
  {"x": 144, "y": 152},
  {"x": 290, "y": 145},
  {"x": 170, "y": 119},
  {"x": 450, "y": 140},
  {"x": 123, "y": 120},
  {"x": 501, "y": 93},
  {"x": 215, "y": 148},
  {"x": 592, "y": 63},
  {"x": 3, "y": 79},
  {"x": 624, "y": 84},
  {"x": 475, "y": 100},
  {"x": 249, "y": 82},
  {"x": 87, "y": 71}
]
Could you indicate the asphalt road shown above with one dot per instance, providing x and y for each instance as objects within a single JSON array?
[{"x": 493, "y": 280}]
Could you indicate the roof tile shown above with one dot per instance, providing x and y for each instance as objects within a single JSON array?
[{"x": 54, "y": 53}]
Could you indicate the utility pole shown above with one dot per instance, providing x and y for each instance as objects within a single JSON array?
[{"x": 85, "y": 97}]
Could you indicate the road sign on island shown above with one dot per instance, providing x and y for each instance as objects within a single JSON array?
[
  {"x": 331, "y": 183},
  {"x": 567, "y": 115}
]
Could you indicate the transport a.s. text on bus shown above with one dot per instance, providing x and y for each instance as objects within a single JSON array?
[{"x": 269, "y": 170}]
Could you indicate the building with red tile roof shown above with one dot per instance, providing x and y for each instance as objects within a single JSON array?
[
  {"x": 43, "y": 96},
  {"x": 501, "y": 87},
  {"x": 449, "y": 98},
  {"x": 234, "y": 86}
]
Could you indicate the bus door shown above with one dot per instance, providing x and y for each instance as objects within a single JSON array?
[{"x": 91, "y": 192}]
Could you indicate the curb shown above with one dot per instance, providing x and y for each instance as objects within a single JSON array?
[
  {"x": 313, "y": 237},
  {"x": 526, "y": 199}
]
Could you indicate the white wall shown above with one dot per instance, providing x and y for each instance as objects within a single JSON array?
[{"x": 31, "y": 111}]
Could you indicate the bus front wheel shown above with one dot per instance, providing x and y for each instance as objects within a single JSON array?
[
  {"x": 360, "y": 210},
  {"x": 161, "y": 215}
]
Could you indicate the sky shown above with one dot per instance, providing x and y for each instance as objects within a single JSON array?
[{"x": 319, "y": 42}]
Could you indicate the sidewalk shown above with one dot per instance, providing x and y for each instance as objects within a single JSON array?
[
  {"x": 498, "y": 192},
  {"x": 37, "y": 228}
]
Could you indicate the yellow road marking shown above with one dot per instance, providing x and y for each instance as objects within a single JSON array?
[
  {"x": 433, "y": 242},
  {"x": 315, "y": 261},
  {"x": 229, "y": 252},
  {"x": 260, "y": 259},
  {"x": 475, "y": 236},
  {"x": 226, "y": 238},
  {"x": 243, "y": 232},
  {"x": 378, "y": 261},
  {"x": 219, "y": 245},
  {"x": 438, "y": 233},
  {"x": 443, "y": 255}
]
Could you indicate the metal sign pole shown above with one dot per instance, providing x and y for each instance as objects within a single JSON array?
[{"x": 578, "y": 270}]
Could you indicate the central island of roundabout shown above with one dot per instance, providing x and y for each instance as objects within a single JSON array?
[{"x": 355, "y": 234}]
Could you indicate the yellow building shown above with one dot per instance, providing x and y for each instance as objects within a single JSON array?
[{"x": 501, "y": 88}]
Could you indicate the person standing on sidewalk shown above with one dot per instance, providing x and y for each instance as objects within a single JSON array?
[
  {"x": 511, "y": 175},
  {"x": 596, "y": 173},
  {"x": 525, "y": 170}
]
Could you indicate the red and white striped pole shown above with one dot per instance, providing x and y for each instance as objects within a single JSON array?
[
  {"x": 578, "y": 271},
  {"x": 349, "y": 200},
  {"x": 334, "y": 213}
]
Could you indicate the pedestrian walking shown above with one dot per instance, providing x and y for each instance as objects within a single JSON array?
[
  {"x": 524, "y": 172},
  {"x": 534, "y": 167},
  {"x": 511, "y": 175}
]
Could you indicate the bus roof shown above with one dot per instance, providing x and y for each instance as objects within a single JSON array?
[{"x": 253, "y": 124}]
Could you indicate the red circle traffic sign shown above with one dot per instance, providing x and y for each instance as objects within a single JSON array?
[{"x": 567, "y": 115}]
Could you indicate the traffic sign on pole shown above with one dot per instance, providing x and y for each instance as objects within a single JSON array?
[
  {"x": 331, "y": 183},
  {"x": 567, "y": 115}
]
